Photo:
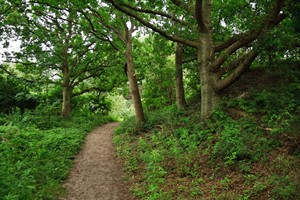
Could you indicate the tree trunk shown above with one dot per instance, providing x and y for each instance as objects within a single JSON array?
[
  {"x": 67, "y": 96},
  {"x": 209, "y": 96},
  {"x": 180, "y": 98},
  {"x": 134, "y": 89}
]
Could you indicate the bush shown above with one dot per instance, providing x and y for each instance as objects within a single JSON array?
[
  {"x": 15, "y": 95},
  {"x": 241, "y": 140}
]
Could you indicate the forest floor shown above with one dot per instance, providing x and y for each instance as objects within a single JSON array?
[{"x": 97, "y": 173}]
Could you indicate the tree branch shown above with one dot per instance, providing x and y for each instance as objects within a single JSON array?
[
  {"x": 185, "y": 6},
  {"x": 50, "y": 5},
  {"x": 275, "y": 16},
  {"x": 15, "y": 76},
  {"x": 199, "y": 15},
  {"x": 189, "y": 60},
  {"x": 226, "y": 44},
  {"x": 234, "y": 76},
  {"x": 75, "y": 76},
  {"x": 80, "y": 80},
  {"x": 153, "y": 27},
  {"x": 235, "y": 43},
  {"x": 75, "y": 82},
  {"x": 232, "y": 49},
  {"x": 98, "y": 89},
  {"x": 163, "y": 14},
  {"x": 89, "y": 21},
  {"x": 112, "y": 28},
  {"x": 272, "y": 20},
  {"x": 232, "y": 65}
]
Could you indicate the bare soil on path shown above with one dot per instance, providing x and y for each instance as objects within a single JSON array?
[{"x": 97, "y": 173}]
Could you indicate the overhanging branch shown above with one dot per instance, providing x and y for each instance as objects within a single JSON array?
[
  {"x": 185, "y": 6},
  {"x": 226, "y": 44},
  {"x": 97, "y": 89},
  {"x": 153, "y": 27},
  {"x": 237, "y": 42},
  {"x": 236, "y": 74},
  {"x": 199, "y": 15},
  {"x": 15, "y": 76},
  {"x": 163, "y": 14}
]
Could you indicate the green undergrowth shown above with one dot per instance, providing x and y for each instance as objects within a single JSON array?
[
  {"x": 37, "y": 151},
  {"x": 247, "y": 149}
]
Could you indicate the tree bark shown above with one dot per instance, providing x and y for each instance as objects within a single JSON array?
[
  {"x": 180, "y": 97},
  {"x": 205, "y": 54},
  {"x": 66, "y": 85},
  {"x": 209, "y": 96},
  {"x": 134, "y": 89},
  {"x": 67, "y": 96}
]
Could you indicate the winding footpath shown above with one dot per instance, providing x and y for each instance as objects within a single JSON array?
[{"x": 97, "y": 174}]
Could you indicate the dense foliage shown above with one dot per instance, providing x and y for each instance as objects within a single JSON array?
[
  {"x": 13, "y": 95},
  {"x": 248, "y": 149},
  {"x": 37, "y": 150}
]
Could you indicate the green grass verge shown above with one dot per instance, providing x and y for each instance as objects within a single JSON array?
[{"x": 36, "y": 153}]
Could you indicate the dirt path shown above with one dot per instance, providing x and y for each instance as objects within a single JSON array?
[{"x": 97, "y": 174}]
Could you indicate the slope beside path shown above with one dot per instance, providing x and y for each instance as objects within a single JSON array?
[{"x": 97, "y": 174}]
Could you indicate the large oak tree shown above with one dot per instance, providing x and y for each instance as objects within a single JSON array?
[
  {"x": 56, "y": 40},
  {"x": 226, "y": 35}
]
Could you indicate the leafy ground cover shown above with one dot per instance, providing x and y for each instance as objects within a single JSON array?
[
  {"x": 248, "y": 149},
  {"x": 36, "y": 152}
]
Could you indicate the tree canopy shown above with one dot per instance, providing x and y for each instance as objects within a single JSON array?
[
  {"x": 227, "y": 41},
  {"x": 80, "y": 44}
]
